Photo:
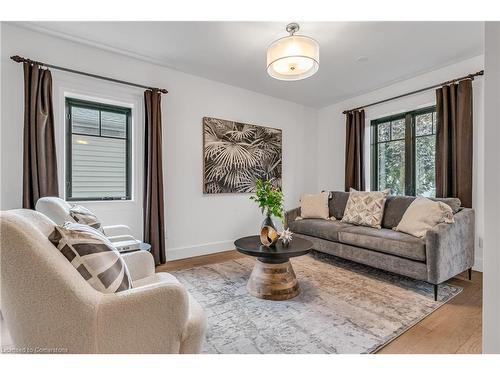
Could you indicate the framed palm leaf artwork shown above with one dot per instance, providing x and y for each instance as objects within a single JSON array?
[{"x": 236, "y": 154}]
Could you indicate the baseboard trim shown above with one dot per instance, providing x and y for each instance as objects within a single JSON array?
[
  {"x": 478, "y": 264},
  {"x": 197, "y": 250}
]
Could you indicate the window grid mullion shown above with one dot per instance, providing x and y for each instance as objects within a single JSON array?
[
  {"x": 70, "y": 104},
  {"x": 410, "y": 146}
]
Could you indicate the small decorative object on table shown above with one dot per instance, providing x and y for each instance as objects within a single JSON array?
[
  {"x": 270, "y": 200},
  {"x": 286, "y": 237},
  {"x": 268, "y": 232}
]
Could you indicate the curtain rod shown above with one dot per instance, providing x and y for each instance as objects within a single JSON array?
[
  {"x": 470, "y": 76},
  {"x": 20, "y": 59}
]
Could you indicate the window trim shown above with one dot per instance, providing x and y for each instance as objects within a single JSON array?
[
  {"x": 71, "y": 102},
  {"x": 410, "y": 144}
]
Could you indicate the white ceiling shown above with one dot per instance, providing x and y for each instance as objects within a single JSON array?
[{"x": 235, "y": 52}]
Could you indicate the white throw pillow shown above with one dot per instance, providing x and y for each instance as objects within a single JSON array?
[
  {"x": 83, "y": 215},
  {"x": 314, "y": 206},
  {"x": 93, "y": 256},
  {"x": 424, "y": 214},
  {"x": 365, "y": 208}
]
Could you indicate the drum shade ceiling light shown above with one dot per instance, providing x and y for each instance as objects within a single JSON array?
[{"x": 293, "y": 57}]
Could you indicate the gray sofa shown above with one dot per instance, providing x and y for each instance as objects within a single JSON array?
[{"x": 447, "y": 249}]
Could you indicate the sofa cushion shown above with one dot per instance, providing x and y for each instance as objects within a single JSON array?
[
  {"x": 365, "y": 208},
  {"x": 424, "y": 214},
  {"x": 454, "y": 203},
  {"x": 396, "y": 205},
  {"x": 314, "y": 206},
  {"x": 325, "y": 229},
  {"x": 384, "y": 240},
  {"x": 337, "y": 204}
]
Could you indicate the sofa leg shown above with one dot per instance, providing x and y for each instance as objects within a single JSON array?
[
  {"x": 435, "y": 292},
  {"x": 469, "y": 271}
]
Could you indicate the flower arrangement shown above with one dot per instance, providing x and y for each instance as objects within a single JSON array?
[{"x": 269, "y": 198}]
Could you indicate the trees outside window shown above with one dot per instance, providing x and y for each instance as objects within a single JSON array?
[{"x": 403, "y": 153}]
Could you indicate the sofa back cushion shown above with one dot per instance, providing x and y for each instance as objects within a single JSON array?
[
  {"x": 396, "y": 205},
  {"x": 338, "y": 201}
]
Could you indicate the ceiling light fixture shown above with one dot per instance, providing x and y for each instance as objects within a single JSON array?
[{"x": 293, "y": 57}]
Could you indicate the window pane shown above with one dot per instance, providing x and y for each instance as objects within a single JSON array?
[
  {"x": 391, "y": 167},
  {"x": 98, "y": 167},
  {"x": 113, "y": 124},
  {"x": 85, "y": 121},
  {"x": 423, "y": 124},
  {"x": 384, "y": 132},
  {"x": 425, "y": 151},
  {"x": 398, "y": 129},
  {"x": 434, "y": 123}
]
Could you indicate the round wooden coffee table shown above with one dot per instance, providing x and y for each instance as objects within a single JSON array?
[{"x": 273, "y": 276}]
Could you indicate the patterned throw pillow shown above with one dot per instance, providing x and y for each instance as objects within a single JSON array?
[
  {"x": 365, "y": 208},
  {"x": 93, "y": 256},
  {"x": 83, "y": 215}
]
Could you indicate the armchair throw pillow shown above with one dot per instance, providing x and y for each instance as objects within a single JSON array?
[
  {"x": 83, "y": 215},
  {"x": 93, "y": 256}
]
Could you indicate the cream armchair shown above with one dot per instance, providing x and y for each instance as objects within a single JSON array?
[
  {"x": 57, "y": 210},
  {"x": 46, "y": 304}
]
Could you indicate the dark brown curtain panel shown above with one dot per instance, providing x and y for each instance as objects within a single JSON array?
[
  {"x": 454, "y": 139},
  {"x": 354, "y": 146},
  {"x": 39, "y": 149},
  {"x": 153, "y": 207}
]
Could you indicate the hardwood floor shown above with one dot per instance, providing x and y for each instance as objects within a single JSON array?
[
  {"x": 456, "y": 327},
  {"x": 182, "y": 264}
]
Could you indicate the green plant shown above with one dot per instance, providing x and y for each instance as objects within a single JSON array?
[{"x": 269, "y": 198}]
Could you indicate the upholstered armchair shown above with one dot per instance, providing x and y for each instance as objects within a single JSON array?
[
  {"x": 46, "y": 303},
  {"x": 57, "y": 210}
]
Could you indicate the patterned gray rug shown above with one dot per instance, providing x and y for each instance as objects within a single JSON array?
[{"x": 343, "y": 307}]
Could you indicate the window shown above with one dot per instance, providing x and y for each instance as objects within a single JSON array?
[
  {"x": 98, "y": 151},
  {"x": 403, "y": 153}
]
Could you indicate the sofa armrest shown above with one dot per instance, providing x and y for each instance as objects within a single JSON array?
[
  {"x": 116, "y": 230},
  {"x": 140, "y": 264},
  {"x": 120, "y": 238},
  {"x": 196, "y": 325},
  {"x": 450, "y": 247},
  {"x": 149, "y": 319},
  {"x": 291, "y": 215}
]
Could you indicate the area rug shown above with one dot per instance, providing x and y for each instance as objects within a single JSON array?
[{"x": 343, "y": 307}]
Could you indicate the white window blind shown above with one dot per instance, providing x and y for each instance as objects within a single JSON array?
[{"x": 99, "y": 155}]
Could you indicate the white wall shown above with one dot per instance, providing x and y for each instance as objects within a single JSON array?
[
  {"x": 331, "y": 129},
  {"x": 313, "y": 140},
  {"x": 195, "y": 223},
  {"x": 491, "y": 276}
]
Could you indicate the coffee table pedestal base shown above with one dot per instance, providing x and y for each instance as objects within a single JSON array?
[{"x": 273, "y": 281}]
